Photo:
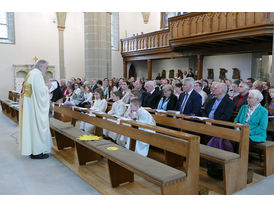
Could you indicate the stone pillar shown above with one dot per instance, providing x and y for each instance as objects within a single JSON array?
[
  {"x": 200, "y": 67},
  {"x": 61, "y": 21},
  {"x": 97, "y": 45},
  {"x": 149, "y": 69},
  {"x": 124, "y": 69}
]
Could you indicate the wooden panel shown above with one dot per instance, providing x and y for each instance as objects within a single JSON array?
[
  {"x": 260, "y": 18},
  {"x": 231, "y": 20},
  {"x": 250, "y": 18},
  {"x": 118, "y": 174},
  {"x": 193, "y": 25},
  {"x": 186, "y": 27},
  {"x": 207, "y": 24},
  {"x": 180, "y": 29},
  {"x": 200, "y": 25},
  {"x": 63, "y": 141},
  {"x": 85, "y": 155},
  {"x": 223, "y": 25},
  {"x": 215, "y": 22},
  {"x": 241, "y": 19}
]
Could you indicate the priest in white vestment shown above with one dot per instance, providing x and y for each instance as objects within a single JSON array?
[{"x": 35, "y": 136}]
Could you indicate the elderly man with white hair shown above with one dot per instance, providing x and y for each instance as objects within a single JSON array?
[
  {"x": 152, "y": 96},
  {"x": 190, "y": 101},
  {"x": 254, "y": 115},
  {"x": 220, "y": 107}
]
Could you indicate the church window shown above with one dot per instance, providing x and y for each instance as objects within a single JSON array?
[
  {"x": 115, "y": 31},
  {"x": 6, "y": 27}
]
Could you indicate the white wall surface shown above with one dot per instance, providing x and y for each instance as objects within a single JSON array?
[
  {"x": 132, "y": 23},
  {"x": 240, "y": 61},
  {"x": 159, "y": 65},
  {"x": 74, "y": 49},
  {"x": 35, "y": 35}
]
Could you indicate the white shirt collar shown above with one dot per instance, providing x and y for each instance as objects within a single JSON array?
[
  {"x": 152, "y": 91},
  {"x": 189, "y": 93}
]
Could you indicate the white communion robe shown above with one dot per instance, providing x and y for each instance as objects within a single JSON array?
[
  {"x": 118, "y": 109},
  {"x": 34, "y": 131},
  {"x": 144, "y": 117},
  {"x": 99, "y": 105}
]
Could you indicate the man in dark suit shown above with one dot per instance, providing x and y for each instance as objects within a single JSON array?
[
  {"x": 190, "y": 101},
  {"x": 93, "y": 85},
  {"x": 138, "y": 85},
  {"x": 119, "y": 86},
  {"x": 152, "y": 96},
  {"x": 221, "y": 107},
  {"x": 241, "y": 99}
]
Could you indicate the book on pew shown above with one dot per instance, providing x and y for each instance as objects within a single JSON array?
[
  {"x": 173, "y": 111},
  {"x": 197, "y": 117}
]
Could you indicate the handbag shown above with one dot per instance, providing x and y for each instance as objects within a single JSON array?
[{"x": 215, "y": 170}]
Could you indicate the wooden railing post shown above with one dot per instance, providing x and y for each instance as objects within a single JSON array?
[
  {"x": 149, "y": 69},
  {"x": 124, "y": 69},
  {"x": 200, "y": 67}
]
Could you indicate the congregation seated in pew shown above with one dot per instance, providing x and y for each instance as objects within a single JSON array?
[
  {"x": 99, "y": 105},
  {"x": 118, "y": 109},
  {"x": 169, "y": 100},
  {"x": 190, "y": 101},
  {"x": 254, "y": 115},
  {"x": 139, "y": 114}
]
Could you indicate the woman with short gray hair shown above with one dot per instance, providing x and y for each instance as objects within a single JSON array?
[{"x": 254, "y": 115}]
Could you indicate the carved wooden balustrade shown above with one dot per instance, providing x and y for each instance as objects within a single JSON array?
[
  {"x": 158, "y": 39},
  {"x": 215, "y": 24},
  {"x": 202, "y": 27}
]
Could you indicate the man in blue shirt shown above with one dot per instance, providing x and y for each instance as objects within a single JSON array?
[{"x": 221, "y": 107}]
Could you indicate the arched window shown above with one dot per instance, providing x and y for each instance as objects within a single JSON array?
[
  {"x": 7, "y": 27},
  {"x": 115, "y": 30}
]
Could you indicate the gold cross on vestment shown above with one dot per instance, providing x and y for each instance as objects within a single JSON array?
[{"x": 35, "y": 59}]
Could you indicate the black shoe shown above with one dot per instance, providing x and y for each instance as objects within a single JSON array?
[{"x": 40, "y": 156}]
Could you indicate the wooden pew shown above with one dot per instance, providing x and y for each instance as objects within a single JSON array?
[
  {"x": 123, "y": 163},
  {"x": 235, "y": 166},
  {"x": 268, "y": 149},
  {"x": 10, "y": 109}
]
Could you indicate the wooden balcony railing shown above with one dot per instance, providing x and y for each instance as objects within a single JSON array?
[
  {"x": 152, "y": 40},
  {"x": 200, "y": 27},
  {"x": 210, "y": 22}
]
